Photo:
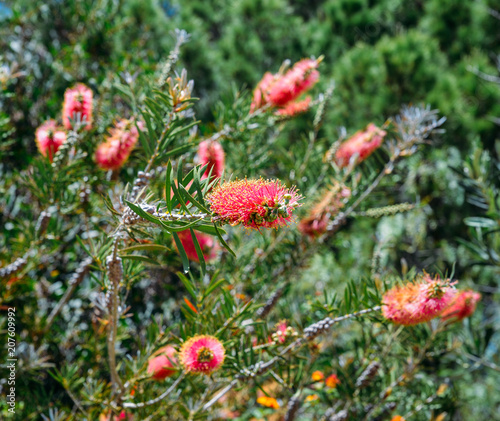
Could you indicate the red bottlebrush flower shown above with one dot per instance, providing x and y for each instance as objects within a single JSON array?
[
  {"x": 299, "y": 79},
  {"x": 49, "y": 137},
  {"x": 115, "y": 150},
  {"x": 316, "y": 223},
  {"x": 161, "y": 364},
  {"x": 332, "y": 381},
  {"x": 77, "y": 101},
  {"x": 362, "y": 144},
  {"x": 261, "y": 92},
  {"x": 202, "y": 354},
  {"x": 210, "y": 152},
  {"x": 294, "y": 108},
  {"x": 463, "y": 306},
  {"x": 418, "y": 301},
  {"x": 253, "y": 203},
  {"x": 207, "y": 243}
]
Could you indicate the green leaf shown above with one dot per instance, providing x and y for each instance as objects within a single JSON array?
[
  {"x": 142, "y": 213},
  {"x": 226, "y": 246},
  {"x": 140, "y": 247},
  {"x": 189, "y": 285},
  {"x": 139, "y": 258},
  {"x": 479, "y": 222},
  {"x": 182, "y": 252},
  {"x": 168, "y": 188},
  {"x": 193, "y": 200},
  {"x": 201, "y": 257}
]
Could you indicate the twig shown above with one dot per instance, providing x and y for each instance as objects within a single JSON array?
[{"x": 157, "y": 399}]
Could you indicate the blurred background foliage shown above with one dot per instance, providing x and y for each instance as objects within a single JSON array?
[{"x": 380, "y": 54}]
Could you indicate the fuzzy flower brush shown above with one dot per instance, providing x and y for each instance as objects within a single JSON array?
[
  {"x": 418, "y": 301},
  {"x": 253, "y": 203},
  {"x": 77, "y": 102},
  {"x": 49, "y": 137},
  {"x": 202, "y": 354}
]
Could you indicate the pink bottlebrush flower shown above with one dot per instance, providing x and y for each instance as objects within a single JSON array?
[
  {"x": 362, "y": 144},
  {"x": 296, "y": 81},
  {"x": 210, "y": 152},
  {"x": 418, "y": 301},
  {"x": 261, "y": 92},
  {"x": 202, "y": 354},
  {"x": 253, "y": 203},
  {"x": 207, "y": 243},
  {"x": 463, "y": 306},
  {"x": 77, "y": 101},
  {"x": 115, "y": 150},
  {"x": 295, "y": 107},
  {"x": 49, "y": 137},
  {"x": 161, "y": 364}
]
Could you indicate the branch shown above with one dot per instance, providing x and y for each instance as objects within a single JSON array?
[{"x": 157, "y": 399}]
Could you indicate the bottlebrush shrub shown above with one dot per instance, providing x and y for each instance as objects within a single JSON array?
[{"x": 103, "y": 300}]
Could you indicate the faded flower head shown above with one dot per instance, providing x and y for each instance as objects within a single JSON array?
[
  {"x": 253, "y": 203},
  {"x": 361, "y": 145},
  {"x": 316, "y": 223},
  {"x": 49, "y": 137},
  {"x": 202, "y": 354},
  {"x": 207, "y": 243},
  {"x": 463, "y": 306},
  {"x": 77, "y": 102},
  {"x": 418, "y": 301},
  {"x": 161, "y": 364},
  {"x": 115, "y": 150},
  {"x": 210, "y": 152},
  {"x": 282, "y": 91}
]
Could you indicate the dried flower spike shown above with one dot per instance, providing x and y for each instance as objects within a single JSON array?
[
  {"x": 463, "y": 306},
  {"x": 114, "y": 152},
  {"x": 49, "y": 137},
  {"x": 207, "y": 243},
  {"x": 161, "y": 364},
  {"x": 253, "y": 203},
  {"x": 418, "y": 301},
  {"x": 361, "y": 145},
  {"x": 210, "y": 152},
  {"x": 202, "y": 354},
  {"x": 77, "y": 104}
]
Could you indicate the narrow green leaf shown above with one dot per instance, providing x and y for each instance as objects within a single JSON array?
[
  {"x": 139, "y": 258},
  {"x": 189, "y": 286},
  {"x": 140, "y": 247},
  {"x": 182, "y": 252},
  {"x": 226, "y": 246},
  {"x": 139, "y": 211},
  {"x": 168, "y": 188},
  {"x": 201, "y": 257}
]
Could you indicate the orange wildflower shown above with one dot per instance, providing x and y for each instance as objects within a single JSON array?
[{"x": 268, "y": 402}]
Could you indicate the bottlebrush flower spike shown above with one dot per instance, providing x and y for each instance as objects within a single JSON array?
[
  {"x": 253, "y": 203},
  {"x": 122, "y": 416},
  {"x": 362, "y": 144},
  {"x": 261, "y": 92},
  {"x": 293, "y": 108},
  {"x": 161, "y": 364},
  {"x": 49, "y": 137},
  {"x": 202, "y": 354},
  {"x": 77, "y": 102},
  {"x": 210, "y": 152},
  {"x": 418, "y": 301},
  {"x": 208, "y": 245},
  {"x": 463, "y": 306},
  {"x": 299, "y": 79},
  {"x": 115, "y": 150},
  {"x": 281, "y": 91}
]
